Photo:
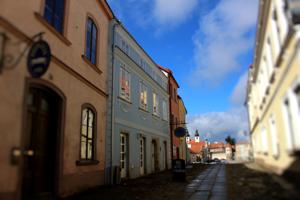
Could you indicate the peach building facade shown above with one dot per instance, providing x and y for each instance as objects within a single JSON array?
[{"x": 53, "y": 127}]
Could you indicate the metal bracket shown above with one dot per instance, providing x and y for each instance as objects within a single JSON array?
[{"x": 10, "y": 61}]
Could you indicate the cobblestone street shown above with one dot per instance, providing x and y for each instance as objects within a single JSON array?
[{"x": 232, "y": 181}]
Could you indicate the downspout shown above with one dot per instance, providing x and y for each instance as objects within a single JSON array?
[
  {"x": 112, "y": 99},
  {"x": 171, "y": 121}
]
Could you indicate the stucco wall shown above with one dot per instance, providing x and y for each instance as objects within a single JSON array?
[{"x": 68, "y": 72}]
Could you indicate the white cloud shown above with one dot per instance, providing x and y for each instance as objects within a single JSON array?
[
  {"x": 222, "y": 38},
  {"x": 238, "y": 95},
  {"x": 173, "y": 12},
  {"x": 157, "y": 15},
  {"x": 215, "y": 126}
]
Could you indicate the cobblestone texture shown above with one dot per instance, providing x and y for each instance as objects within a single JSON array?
[{"x": 220, "y": 182}]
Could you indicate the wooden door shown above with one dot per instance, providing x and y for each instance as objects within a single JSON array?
[
  {"x": 155, "y": 166},
  {"x": 40, "y": 152}
]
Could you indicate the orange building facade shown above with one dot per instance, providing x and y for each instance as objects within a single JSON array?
[
  {"x": 53, "y": 127},
  {"x": 174, "y": 114}
]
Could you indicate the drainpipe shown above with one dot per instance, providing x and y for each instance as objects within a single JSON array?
[
  {"x": 116, "y": 23},
  {"x": 171, "y": 120}
]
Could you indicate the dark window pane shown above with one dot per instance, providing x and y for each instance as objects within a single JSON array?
[
  {"x": 94, "y": 44},
  {"x": 54, "y": 13},
  {"x": 88, "y": 39},
  {"x": 91, "y": 41}
]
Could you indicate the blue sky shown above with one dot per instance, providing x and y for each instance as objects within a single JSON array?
[{"x": 208, "y": 44}]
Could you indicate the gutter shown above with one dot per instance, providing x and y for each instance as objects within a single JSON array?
[{"x": 112, "y": 98}]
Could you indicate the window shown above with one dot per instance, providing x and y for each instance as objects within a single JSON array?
[
  {"x": 124, "y": 84},
  {"x": 87, "y": 134},
  {"x": 91, "y": 41},
  {"x": 125, "y": 47},
  {"x": 274, "y": 137},
  {"x": 288, "y": 124},
  {"x": 155, "y": 104},
  {"x": 54, "y": 13},
  {"x": 165, "y": 110},
  {"x": 174, "y": 97},
  {"x": 264, "y": 139},
  {"x": 143, "y": 96}
]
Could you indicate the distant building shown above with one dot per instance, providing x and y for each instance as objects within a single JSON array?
[
  {"x": 138, "y": 140},
  {"x": 174, "y": 112},
  {"x": 198, "y": 150},
  {"x": 273, "y": 97},
  {"x": 242, "y": 151},
  {"x": 220, "y": 151},
  {"x": 182, "y": 119}
]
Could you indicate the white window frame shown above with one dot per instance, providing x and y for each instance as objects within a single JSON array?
[
  {"x": 165, "y": 110},
  {"x": 275, "y": 32},
  {"x": 274, "y": 136},
  {"x": 269, "y": 57},
  {"x": 296, "y": 113},
  {"x": 264, "y": 140},
  {"x": 155, "y": 104},
  {"x": 143, "y": 96},
  {"x": 123, "y": 94},
  {"x": 288, "y": 122},
  {"x": 282, "y": 19}
]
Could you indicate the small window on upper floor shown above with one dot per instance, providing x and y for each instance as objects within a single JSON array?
[
  {"x": 155, "y": 104},
  {"x": 143, "y": 96},
  {"x": 175, "y": 95},
  {"x": 124, "y": 83},
  {"x": 54, "y": 13},
  {"x": 91, "y": 41},
  {"x": 165, "y": 110}
]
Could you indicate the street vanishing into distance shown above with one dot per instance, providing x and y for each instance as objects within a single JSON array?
[{"x": 150, "y": 99}]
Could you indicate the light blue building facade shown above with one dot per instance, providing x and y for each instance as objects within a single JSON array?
[{"x": 137, "y": 140}]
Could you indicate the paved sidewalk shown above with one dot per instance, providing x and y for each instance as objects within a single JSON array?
[
  {"x": 209, "y": 185},
  {"x": 204, "y": 182}
]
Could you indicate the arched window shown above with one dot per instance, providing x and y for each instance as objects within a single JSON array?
[
  {"x": 91, "y": 41},
  {"x": 87, "y": 146}
]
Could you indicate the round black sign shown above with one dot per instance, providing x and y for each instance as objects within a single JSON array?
[
  {"x": 180, "y": 132},
  {"x": 38, "y": 59}
]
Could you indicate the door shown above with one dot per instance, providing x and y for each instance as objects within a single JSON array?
[
  {"x": 154, "y": 162},
  {"x": 165, "y": 156},
  {"x": 142, "y": 156},
  {"x": 41, "y": 144},
  {"x": 124, "y": 156}
]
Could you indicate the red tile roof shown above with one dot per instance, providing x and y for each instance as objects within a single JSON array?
[
  {"x": 216, "y": 145},
  {"x": 196, "y": 147}
]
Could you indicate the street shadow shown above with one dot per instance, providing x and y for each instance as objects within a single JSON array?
[{"x": 292, "y": 174}]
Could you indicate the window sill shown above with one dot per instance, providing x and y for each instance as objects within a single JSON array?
[
  {"x": 52, "y": 29},
  {"x": 94, "y": 67},
  {"x": 86, "y": 162},
  {"x": 155, "y": 115},
  {"x": 125, "y": 100},
  {"x": 144, "y": 110}
]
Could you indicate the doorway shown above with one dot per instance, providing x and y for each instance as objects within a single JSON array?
[
  {"x": 124, "y": 155},
  {"x": 165, "y": 156},
  {"x": 154, "y": 155},
  {"x": 40, "y": 169},
  {"x": 142, "y": 156}
]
